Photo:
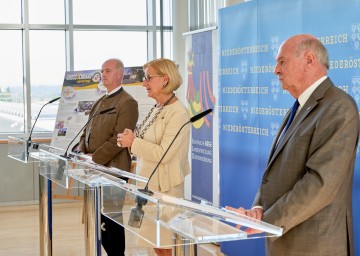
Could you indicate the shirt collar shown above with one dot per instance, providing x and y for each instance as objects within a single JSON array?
[
  {"x": 307, "y": 93},
  {"x": 113, "y": 91}
]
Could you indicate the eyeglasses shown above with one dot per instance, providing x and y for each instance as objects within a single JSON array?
[{"x": 147, "y": 78}]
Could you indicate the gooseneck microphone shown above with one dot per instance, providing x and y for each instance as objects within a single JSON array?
[
  {"x": 28, "y": 141},
  {"x": 145, "y": 190},
  {"x": 106, "y": 111},
  {"x": 51, "y": 101},
  {"x": 137, "y": 213},
  {"x": 62, "y": 164}
]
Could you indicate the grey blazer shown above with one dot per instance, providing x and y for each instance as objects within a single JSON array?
[{"x": 307, "y": 184}]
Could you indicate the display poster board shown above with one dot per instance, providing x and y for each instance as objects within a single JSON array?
[{"x": 79, "y": 92}]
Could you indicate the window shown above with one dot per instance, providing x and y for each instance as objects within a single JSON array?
[
  {"x": 46, "y": 12},
  {"x": 10, "y": 11},
  {"x": 47, "y": 69},
  {"x": 47, "y": 38},
  {"x": 114, "y": 12},
  {"x": 92, "y": 48},
  {"x": 11, "y": 82}
]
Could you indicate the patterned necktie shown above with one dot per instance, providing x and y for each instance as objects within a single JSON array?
[{"x": 291, "y": 118}]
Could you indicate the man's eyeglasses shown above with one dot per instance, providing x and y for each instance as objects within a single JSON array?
[{"x": 147, "y": 78}]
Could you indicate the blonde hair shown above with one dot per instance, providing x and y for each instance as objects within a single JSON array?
[{"x": 166, "y": 67}]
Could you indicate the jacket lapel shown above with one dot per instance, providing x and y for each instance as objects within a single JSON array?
[{"x": 309, "y": 106}]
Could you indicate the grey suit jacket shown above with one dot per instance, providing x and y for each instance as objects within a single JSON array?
[{"x": 307, "y": 184}]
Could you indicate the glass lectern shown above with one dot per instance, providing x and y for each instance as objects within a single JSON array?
[
  {"x": 157, "y": 220},
  {"x": 56, "y": 165},
  {"x": 21, "y": 149}
]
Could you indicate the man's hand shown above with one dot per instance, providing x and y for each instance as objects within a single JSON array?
[{"x": 255, "y": 213}]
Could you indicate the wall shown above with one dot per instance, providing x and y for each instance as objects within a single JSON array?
[{"x": 18, "y": 182}]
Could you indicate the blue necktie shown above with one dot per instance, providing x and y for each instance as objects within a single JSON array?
[
  {"x": 292, "y": 115},
  {"x": 291, "y": 118}
]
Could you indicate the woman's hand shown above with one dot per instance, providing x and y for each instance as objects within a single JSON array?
[{"x": 125, "y": 139}]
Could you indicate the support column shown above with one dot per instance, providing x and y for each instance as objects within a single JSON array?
[
  {"x": 45, "y": 216},
  {"x": 182, "y": 247},
  {"x": 92, "y": 205}
]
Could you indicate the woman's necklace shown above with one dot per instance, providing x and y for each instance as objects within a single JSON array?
[{"x": 142, "y": 128}]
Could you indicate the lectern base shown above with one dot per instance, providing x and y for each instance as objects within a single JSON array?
[{"x": 182, "y": 248}]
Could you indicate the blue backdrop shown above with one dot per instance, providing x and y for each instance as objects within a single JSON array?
[{"x": 252, "y": 103}]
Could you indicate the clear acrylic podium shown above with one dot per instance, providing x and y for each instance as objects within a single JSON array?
[
  {"x": 20, "y": 149},
  {"x": 158, "y": 220},
  {"x": 153, "y": 219},
  {"x": 55, "y": 165}
]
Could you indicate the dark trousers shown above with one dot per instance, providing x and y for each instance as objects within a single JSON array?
[{"x": 113, "y": 238}]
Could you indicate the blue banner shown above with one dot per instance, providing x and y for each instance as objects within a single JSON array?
[
  {"x": 200, "y": 98},
  {"x": 252, "y": 103}
]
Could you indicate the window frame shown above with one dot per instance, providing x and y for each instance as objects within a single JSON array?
[{"x": 151, "y": 29}]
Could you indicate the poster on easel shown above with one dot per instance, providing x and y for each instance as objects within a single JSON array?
[{"x": 79, "y": 92}]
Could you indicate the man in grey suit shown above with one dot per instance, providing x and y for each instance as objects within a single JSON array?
[{"x": 307, "y": 185}]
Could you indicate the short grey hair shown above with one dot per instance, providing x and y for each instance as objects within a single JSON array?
[{"x": 317, "y": 47}]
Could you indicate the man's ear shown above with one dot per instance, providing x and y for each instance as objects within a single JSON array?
[{"x": 310, "y": 58}]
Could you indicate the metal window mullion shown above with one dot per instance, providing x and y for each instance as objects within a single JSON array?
[
  {"x": 203, "y": 13},
  {"x": 206, "y": 13},
  {"x": 69, "y": 35},
  {"x": 26, "y": 67},
  {"x": 9, "y": 26},
  {"x": 151, "y": 31},
  {"x": 162, "y": 28},
  {"x": 193, "y": 12},
  {"x": 200, "y": 14},
  {"x": 111, "y": 28}
]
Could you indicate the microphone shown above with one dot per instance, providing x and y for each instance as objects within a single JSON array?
[
  {"x": 28, "y": 141},
  {"x": 61, "y": 163},
  {"x": 137, "y": 214},
  {"x": 145, "y": 190},
  {"x": 51, "y": 101},
  {"x": 200, "y": 115},
  {"x": 106, "y": 111}
]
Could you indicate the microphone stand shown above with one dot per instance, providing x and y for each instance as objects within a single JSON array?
[
  {"x": 51, "y": 101},
  {"x": 61, "y": 163},
  {"x": 146, "y": 190},
  {"x": 137, "y": 213},
  {"x": 106, "y": 111},
  {"x": 28, "y": 141}
]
